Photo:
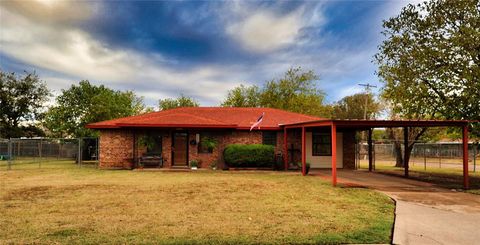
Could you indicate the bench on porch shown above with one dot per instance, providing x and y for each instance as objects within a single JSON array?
[{"x": 151, "y": 160}]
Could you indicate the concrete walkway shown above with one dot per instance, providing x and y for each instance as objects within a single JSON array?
[{"x": 425, "y": 213}]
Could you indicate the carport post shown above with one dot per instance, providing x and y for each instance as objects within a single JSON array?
[
  {"x": 285, "y": 148},
  {"x": 334, "y": 155},
  {"x": 304, "y": 158},
  {"x": 370, "y": 150},
  {"x": 405, "y": 143},
  {"x": 465, "y": 157}
]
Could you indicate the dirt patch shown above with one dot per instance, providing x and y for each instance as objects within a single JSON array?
[{"x": 45, "y": 192}]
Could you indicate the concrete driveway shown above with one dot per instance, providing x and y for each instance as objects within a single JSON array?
[{"x": 425, "y": 213}]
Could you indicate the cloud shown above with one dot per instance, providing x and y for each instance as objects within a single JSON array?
[
  {"x": 74, "y": 53},
  {"x": 263, "y": 31},
  {"x": 162, "y": 49}
]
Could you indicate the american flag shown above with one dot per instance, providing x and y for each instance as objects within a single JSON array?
[{"x": 257, "y": 123}]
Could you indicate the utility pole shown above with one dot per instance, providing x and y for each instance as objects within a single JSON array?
[{"x": 368, "y": 89}]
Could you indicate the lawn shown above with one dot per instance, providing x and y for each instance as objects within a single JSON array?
[{"x": 67, "y": 204}]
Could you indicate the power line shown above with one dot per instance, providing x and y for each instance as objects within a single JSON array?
[{"x": 368, "y": 87}]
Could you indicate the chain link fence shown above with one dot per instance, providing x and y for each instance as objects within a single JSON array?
[
  {"x": 424, "y": 155},
  {"x": 21, "y": 153}
]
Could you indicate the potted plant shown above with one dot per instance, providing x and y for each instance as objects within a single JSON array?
[
  {"x": 213, "y": 165},
  {"x": 194, "y": 164},
  {"x": 307, "y": 167},
  {"x": 209, "y": 142}
]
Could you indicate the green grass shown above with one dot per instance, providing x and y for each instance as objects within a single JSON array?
[{"x": 84, "y": 205}]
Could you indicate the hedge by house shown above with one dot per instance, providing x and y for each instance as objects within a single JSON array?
[{"x": 248, "y": 156}]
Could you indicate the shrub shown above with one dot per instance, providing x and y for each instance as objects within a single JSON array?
[
  {"x": 246, "y": 156},
  {"x": 194, "y": 163},
  {"x": 307, "y": 166}
]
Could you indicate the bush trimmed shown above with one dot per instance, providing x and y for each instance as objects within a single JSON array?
[{"x": 249, "y": 156}]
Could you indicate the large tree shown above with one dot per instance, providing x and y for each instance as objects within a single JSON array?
[
  {"x": 21, "y": 101},
  {"x": 353, "y": 107},
  {"x": 296, "y": 91},
  {"x": 430, "y": 62},
  {"x": 87, "y": 103},
  {"x": 243, "y": 96},
  {"x": 181, "y": 101}
]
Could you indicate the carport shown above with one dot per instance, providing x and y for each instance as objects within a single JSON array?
[{"x": 368, "y": 125}]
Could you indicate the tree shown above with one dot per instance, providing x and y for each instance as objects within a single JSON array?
[
  {"x": 182, "y": 101},
  {"x": 430, "y": 62},
  {"x": 243, "y": 96},
  {"x": 295, "y": 91},
  {"x": 353, "y": 107},
  {"x": 21, "y": 100},
  {"x": 86, "y": 103}
]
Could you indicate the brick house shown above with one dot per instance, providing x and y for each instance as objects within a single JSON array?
[{"x": 176, "y": 136}]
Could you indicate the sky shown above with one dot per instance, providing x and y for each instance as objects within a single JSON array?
[{"x": 161, "y": 49}]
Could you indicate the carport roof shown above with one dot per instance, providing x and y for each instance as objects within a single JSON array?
[{"x": 358, "y": 123}]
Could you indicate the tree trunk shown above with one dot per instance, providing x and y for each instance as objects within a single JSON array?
[
  {"x": 414, "y": 134},
  {"x": 398, "y": 154}
]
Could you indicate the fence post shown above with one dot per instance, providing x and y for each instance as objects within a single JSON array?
[
  {"x": 79, "y": 156},
  {"x": 98, "y": 151},
  {"x": 424, "y": 156},
  {"x": 9, "y": 154},
  {"x": 474, "y": 156},
  {"x": 439, "y": 149},
  {"x": 412, "y": 157},
  {"x": 40, "y": 155}
]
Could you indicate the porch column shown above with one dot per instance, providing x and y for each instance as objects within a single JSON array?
[
  {"x": 465, "y": 157},
  {"x": 370, "y": 150},
  {"x": 334, "y": 154},
  {"x": 285, "y": 148},
  {"x": 405, "y": 157},
  {"x": 304, "y": 155}
]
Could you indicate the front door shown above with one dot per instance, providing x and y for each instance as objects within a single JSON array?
[{"x": 180, "y": 149}]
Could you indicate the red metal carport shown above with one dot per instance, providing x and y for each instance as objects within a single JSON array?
[{"x": 369, "y": 125}]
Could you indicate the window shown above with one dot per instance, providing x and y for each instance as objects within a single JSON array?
[
  {"x": 321, "y": 144},
  {"x": 154, "y": 144},
  {"x": 207, "y": 143},
  {"x": 269, "y": 138}
]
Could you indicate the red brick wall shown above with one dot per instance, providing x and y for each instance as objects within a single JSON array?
[
  {"x": 116, "y": 149},
  {"x": 349, "y": 149},
  {"x": 294, "y": 137},
  {"x": 116, "y": 146}
]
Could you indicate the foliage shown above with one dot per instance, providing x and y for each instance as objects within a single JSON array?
[
  {"x": 194, "y": 163},
  {"x": 243, "y": 96},
  {"x": 379, "y": 134},
  {"x": 147, "y": 140},
  {"x": 353, "y": 107},
  {"x": 430, "y": 61},
  {"x": 254, "y": 155},
  {"x": 209, "y": 142},
  {"x": 307, "y": 166},
  {"x": 182, "y": 101},
  {"x": 87, "y": 103},
  {"x": 430, "y": 65},
  {"x": 213, "y": 164},
  {"x": 296, "y": 91},
  {"x": 21, "y": 100}
]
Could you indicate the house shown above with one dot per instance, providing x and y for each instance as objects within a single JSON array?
[{"x": 176, "y": 136}]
